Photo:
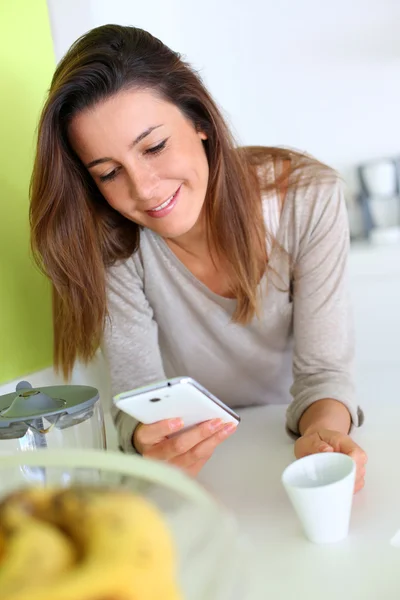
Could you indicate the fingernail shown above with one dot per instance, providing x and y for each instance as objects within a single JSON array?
[
  {"x": 229, "y": 428},
  {"x": 175, "y": 424},
  {"x": 326, "y": 449},
  {"x": 214, "y": 424}
]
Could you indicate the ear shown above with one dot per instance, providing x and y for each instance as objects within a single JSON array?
[{"x": 202, "y": 134}]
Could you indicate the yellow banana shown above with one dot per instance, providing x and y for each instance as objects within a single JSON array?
[
  {"x": 35, "y": 553},
  {"x": 124, "y": 548}
]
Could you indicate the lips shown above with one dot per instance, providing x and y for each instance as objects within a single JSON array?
[{"x": 165, "y": 207}]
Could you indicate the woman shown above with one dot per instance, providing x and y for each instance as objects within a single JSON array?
[{"x": 184, "y": 255}]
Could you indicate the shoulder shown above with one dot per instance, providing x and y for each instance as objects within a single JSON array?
[
  {"x": 306, "y": 187},
  {"x": 309, "y": 196},
  {"x": 316, "y": 192},
  {"x": 296, "y": 185},
  {"x": 315, "y": 211},
  {"x": 293, "y": 174},
  {"x": 125, "y": 271}
]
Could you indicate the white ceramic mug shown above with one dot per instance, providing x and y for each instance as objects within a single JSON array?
[{"x": 321, "y": 488}]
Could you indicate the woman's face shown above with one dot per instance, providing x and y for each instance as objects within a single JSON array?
[{"x": 146, "y": 158}]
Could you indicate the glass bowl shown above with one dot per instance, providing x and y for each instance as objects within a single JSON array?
[{"x": 212, "y": 558}]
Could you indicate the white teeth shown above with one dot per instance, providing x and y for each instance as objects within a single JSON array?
[{"x": 163, "y": 205}]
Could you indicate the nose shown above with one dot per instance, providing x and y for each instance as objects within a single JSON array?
[{"x": 143, "y": 181}]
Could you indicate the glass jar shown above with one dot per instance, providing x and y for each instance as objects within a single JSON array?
[
  {"x": 51, "y": 418},
  {"x": 212, "y": 558}
]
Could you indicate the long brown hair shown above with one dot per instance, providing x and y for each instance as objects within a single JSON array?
[{"x": 76, "y": 234}]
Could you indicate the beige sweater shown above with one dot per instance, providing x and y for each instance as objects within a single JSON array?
[{"x": 166, "y": 323}]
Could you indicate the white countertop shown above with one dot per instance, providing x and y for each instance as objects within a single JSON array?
[{"x": 245, "y": 473}]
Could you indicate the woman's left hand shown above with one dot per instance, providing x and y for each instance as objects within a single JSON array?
[{"x": 325, "y": 440}]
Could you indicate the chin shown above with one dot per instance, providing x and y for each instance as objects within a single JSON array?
[
  {"x": 173, "y": 228},
  {"x": 173, "y": 232}
]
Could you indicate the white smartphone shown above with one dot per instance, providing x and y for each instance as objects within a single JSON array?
[{"x": 180, "y": 397}]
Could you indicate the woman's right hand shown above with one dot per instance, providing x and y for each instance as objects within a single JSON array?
[{"x": 189, "y": 450}]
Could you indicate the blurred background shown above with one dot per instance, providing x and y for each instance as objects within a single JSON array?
[{"x": 320, "y": 77}]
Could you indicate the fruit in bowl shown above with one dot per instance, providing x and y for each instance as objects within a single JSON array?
[{"x": 85, "y": 543}]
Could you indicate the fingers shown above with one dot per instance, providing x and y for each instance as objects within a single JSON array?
[
  {"x": 348, "y": 446},
  {"x": 148, "y": 435},
  {"x": 334, "y": 441},
  {"x": 311, "y": 444},
  {"x": 169, "y": 449},
  {"x": 359, "y": 456},
  {"x": 188, "y": 450},
  {"x": 204, "y": 450},
  {"x": 360, "y": 480},
  {"x": 195, "y": 468},
  {"x": 339, "y": 442}
]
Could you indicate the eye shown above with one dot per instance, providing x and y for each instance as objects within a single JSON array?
[
  {"x": 157, "y": 149},
  {"x": 110, "y": 176}
]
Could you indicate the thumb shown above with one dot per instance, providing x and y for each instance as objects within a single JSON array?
[
  {"x": 311, "y": 444},
  {"x": 324, "y": 447}
]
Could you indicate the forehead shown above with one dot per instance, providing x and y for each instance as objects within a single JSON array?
[{"x": 115, "y": 122}]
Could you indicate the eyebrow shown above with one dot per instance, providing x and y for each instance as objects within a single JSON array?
[{"x": 144, "y": 134}]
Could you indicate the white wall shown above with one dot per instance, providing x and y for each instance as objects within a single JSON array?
[{"x": 321, "y": 76}]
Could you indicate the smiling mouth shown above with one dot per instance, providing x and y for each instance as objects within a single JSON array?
[{"x": 165, "y": 204}]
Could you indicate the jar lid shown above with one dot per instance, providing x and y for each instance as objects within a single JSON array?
[{"x": 28, "y": 403}]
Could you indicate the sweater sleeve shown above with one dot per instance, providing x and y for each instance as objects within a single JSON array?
[
  {"x": 130, "y": 342},
  {"x": 322, "y": 316}
]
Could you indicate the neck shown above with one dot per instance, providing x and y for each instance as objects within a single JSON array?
[{"x": 193, "y": 242}]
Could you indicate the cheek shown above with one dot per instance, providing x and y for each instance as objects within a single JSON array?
[
  {"x": 202, "y": 170},
  {"x": 116, "y": 197},
  {"x": 186, "y": 160},
  {"x": 173, "y": 165},
  {"x": 200, "y": 164},
  {"x": 194, "y": 167}
]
